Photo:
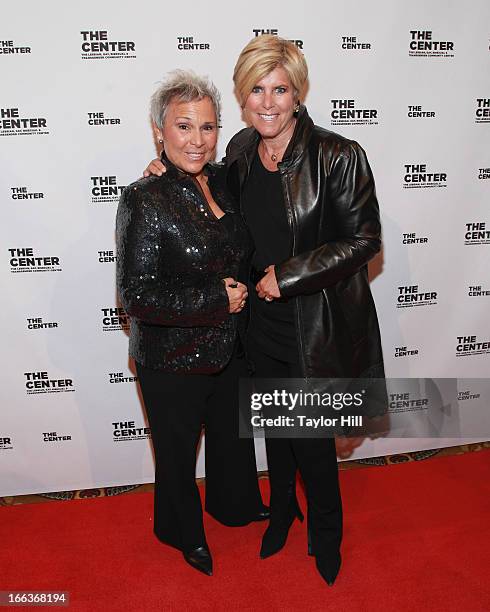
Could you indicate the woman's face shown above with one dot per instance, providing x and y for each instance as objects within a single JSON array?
[
  {"x": 270, "y": 105},
  {"x": 189, "y": 134}
]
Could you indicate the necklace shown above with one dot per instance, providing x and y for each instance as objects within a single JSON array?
[{"x": 273, "y": 156}]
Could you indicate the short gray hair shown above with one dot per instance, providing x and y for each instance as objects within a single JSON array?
[{"x": 186, "y": 86}]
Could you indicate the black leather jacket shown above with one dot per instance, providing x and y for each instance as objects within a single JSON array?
[
  {"x": 172, "y": 254},
  {"x": 334, "y": 219}
]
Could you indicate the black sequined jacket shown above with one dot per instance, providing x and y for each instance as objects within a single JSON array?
[{"x": 172, "y": 254}]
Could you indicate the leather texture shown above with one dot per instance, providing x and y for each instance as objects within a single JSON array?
[
  {"x": 333, "y": 214},
  {"x": 172, "y": 256}
]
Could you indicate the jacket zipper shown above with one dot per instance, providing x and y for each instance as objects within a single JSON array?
[
  {"x": 297, "y": 305},
  {"x": 249, "y": 270}
]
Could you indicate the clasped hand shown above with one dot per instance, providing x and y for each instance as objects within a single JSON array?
[
  {"x": 237, "y": 294},
  {"x": 267, "y": 288}
]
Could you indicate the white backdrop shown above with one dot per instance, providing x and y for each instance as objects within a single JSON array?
[{"x": 75, "y": 129}]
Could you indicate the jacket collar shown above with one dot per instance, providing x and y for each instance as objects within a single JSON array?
[
  {"x": 247, "y": 141},
  {"x": 174, "y": 172},
  {"x": 299, "y": 141}
]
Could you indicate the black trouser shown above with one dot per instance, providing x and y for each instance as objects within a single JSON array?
[
  {"x": 177, "y": 406},
  {"x": 316, "y": 460}
]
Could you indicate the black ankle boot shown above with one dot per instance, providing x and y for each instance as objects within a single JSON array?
[
  {"x": 329, "y": 566},
  {"x": 324, "y": 538},
  {"x": 200, "y": 559},
  {"x": 326, "y": 549},
  {"x": 281, "y": 520}
]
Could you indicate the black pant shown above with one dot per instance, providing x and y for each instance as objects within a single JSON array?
[
  {"x": 177, "y": 406},
  {"x": 316, "y": 460}
]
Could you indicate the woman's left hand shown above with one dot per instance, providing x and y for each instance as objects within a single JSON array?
[{"x": 267, "y": 287}]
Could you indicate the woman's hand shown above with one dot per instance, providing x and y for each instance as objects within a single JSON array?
[
  {"x": 267, "y": 286},
  {"x": 237, "y": 294},
  {"x": 155, "y": 167}
]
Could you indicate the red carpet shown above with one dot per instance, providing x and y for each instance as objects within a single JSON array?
[{"x": 417, "y": 537}]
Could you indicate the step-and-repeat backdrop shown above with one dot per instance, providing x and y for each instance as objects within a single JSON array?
[{"x": 409, "y": 81}]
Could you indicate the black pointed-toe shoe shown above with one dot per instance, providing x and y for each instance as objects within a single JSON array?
[
  {"x": 328, "y": 566},
  {"x": 200, "y": 559},
  {"x": 275, "y": 537},
  {"x": 263, "y": 515},
  {"x": 276, "y": 534}
]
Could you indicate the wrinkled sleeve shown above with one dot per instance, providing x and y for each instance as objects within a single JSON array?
[
  {"x": 147, "y": 289},
  {"x": 351, "y": 193}
]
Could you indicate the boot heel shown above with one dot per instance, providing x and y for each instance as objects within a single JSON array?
[{"x": 310, "y": 545}]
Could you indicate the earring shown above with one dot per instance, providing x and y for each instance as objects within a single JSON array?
[
  {"x": 296, "y": 109},
  {"x": 160, "y": 141}
]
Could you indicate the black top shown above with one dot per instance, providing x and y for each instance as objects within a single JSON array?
[
  {"x": 228, "y": 223},
  {"x": 272, "y": 323}
]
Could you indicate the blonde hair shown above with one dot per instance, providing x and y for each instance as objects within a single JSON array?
[{"x": 261, "y": 56}]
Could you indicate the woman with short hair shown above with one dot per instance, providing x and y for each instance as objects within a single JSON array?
[{"x": 181, "y": 249}]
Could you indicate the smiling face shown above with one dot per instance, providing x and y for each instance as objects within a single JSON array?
[
  {"x": 189, "y": 134},
  {"x": 270, "y": 105}
]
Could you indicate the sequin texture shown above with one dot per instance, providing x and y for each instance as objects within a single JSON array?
[{"x": 172, "y": 256}]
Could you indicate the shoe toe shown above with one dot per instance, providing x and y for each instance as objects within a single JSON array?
[
  {"x": 328, "y": 567},
  {"x": 200, "y": 558}
]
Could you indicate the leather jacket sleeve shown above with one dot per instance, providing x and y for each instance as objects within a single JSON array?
[
  {"x": 147, "y": 288},
  {"x": 351, "y": 194}
]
